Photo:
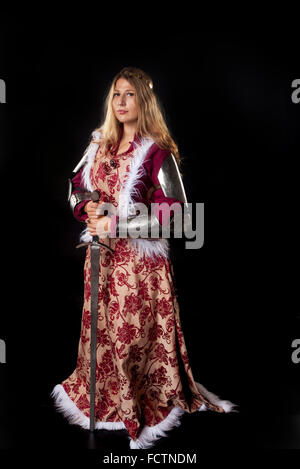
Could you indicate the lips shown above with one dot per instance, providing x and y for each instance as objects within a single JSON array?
[{"x": 121, "y": 111}]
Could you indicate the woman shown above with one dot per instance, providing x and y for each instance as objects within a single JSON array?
[{"x": 144, "y": 382}]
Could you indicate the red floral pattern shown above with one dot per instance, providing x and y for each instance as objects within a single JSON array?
[{"x": 138, "y": 374}]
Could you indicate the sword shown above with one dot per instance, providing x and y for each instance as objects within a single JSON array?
[{"x": 95, "y": 263}]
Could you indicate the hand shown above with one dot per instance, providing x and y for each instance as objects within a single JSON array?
[
  {"x": 90, "y": 208},
  {"x": 99, "y": 226}
]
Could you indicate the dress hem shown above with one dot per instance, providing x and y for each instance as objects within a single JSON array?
[{"x": 149, "y": 435}]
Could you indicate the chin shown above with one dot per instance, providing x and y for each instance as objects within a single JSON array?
[{"x": 122, "y": 119}]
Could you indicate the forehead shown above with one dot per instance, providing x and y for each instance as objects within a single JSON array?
[{"x": 122, "y": 84}]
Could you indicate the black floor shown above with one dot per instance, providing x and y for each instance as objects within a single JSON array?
[{"x": 31, "y": 422}]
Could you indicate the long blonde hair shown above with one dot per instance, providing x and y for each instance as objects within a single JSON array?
[{"x": 151, "y": 122}]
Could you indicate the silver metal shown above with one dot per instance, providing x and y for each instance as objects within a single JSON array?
[
  {"x": 171, "y": 183},
  {"x": 75, "y": 199},
  {"x": 140, "y": 223},
  {"x": 81, "y": 163},
  {"x": 70, "y": 189},
  {"x": 95, "y": 265},
  {"x": 95, "y": 262},
  {"x": 172, "y": 186},
  {"x": 170, "y": 179}
]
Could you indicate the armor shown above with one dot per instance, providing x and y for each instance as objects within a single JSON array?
[
  {"x": 170, "y": 179},
  {"x": 136, "y": 224},
  {"x": 140, "y": 223},
  {"x": 78, "y": 197},
  {"x": 171, "y": 184}
]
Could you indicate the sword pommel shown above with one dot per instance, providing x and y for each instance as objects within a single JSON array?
[{"x": 95, "y": 196}]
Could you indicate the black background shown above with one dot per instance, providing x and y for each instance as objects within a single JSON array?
[{"x": 227, "y": 100}]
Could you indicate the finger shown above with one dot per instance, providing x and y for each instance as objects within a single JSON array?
[
  {"x": 91, "y": 207},
  {"x": 92, "y": 232},
  {"x": 92, "y": 215}
]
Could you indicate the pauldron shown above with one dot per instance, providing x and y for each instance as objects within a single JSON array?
[
  {"x": 170, "y": 179},
  {"x": 171, "y": 184}
]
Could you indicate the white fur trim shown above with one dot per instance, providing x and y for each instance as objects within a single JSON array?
[
  {"x": 85, "y": 236},
  {"x": 128, "y": 195},
  {"x": 89, "y": 156},
  {"x": 89, "y": 150},
  {"x": 136, "y": 172},
  {"x": 159, "y": 248},
  {"x": 68, "y": 408},
  {"x": 214, "y": 399},
  {"x": 149, "y": 435},
  {"x": 203, "y": 407}
]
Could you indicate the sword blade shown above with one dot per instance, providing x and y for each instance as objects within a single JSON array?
[
  {"x": 95, "y": 264},
  {"x": 95, "y": 258}
]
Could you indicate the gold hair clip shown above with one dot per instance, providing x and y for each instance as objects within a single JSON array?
[{"x": 140, "y": 76}]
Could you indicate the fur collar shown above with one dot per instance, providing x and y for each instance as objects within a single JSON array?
[{"x": 128, "y": 193}]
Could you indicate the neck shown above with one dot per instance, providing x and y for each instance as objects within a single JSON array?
[{"x": 129, "y": 130}]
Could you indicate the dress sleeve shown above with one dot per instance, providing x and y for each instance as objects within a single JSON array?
[
  {"x": 158, "y": 196},
  {"x": 77, "y": 185}
]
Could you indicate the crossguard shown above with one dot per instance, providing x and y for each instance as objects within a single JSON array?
[
  {"x": 94, "y": 243},
  {"x": 95, "y": 196}
]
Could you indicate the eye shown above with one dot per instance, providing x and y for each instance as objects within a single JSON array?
[{"x": 129, "y": 93}]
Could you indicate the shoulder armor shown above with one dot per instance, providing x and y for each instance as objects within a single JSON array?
[
  {"x": 170, "y": 179},
  {"x": 89, "y": 151}
]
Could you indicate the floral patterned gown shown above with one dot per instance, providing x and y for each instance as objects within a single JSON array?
[{"x": 143, "y": 371}]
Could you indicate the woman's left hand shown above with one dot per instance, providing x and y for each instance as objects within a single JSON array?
[{"x": 99, "y": 226}]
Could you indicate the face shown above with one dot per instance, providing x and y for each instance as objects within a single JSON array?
[{"x": 124, "y": 99}]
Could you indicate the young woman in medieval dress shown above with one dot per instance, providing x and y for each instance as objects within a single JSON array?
[{"x": 144, "y": 382}]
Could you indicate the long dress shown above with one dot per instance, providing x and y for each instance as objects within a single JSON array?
[{"x": 144, "y": 382}]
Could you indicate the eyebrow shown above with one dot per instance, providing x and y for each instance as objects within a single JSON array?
[{"x": 125, "y": 90}]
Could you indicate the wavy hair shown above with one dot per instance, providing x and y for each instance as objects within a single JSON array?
[{"x": 151, "y": 121}]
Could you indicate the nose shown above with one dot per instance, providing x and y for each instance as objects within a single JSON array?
[{"x": 122, "y": 100}]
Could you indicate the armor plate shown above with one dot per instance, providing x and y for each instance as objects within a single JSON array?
[
  {"x": 171, "y": 184},
  {"x": 170, "y": 179}
]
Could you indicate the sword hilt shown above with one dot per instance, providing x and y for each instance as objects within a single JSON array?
[
  {"x": 89, "y": 243},
  {"x": 95, "y": 196}
]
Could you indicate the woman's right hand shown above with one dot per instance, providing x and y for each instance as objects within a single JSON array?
[{"x": 90, "y": 208}]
